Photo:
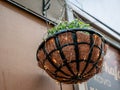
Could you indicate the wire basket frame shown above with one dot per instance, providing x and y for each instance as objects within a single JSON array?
[{"x": 72, "y": 56}]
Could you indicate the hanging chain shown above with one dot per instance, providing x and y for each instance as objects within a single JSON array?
[{"x": 74, "y": 13}]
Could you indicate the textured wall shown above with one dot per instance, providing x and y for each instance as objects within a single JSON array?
[{"x": 20, "y": 35}]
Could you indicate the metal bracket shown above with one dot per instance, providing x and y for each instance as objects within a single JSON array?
[{"x": 45, "y": 7}]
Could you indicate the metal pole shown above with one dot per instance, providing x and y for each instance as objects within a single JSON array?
[{"x": 69, "y": 13}]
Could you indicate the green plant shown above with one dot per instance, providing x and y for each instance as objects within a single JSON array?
[{"x": 68, "y": 25}]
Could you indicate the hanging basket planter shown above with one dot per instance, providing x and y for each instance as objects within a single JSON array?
[{"x": 72, "y": 56}]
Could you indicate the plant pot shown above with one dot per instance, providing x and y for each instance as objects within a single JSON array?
[{"x": 72, "y": 56}]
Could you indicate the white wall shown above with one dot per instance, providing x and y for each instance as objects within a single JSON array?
[{"x": 108, "y": 11}]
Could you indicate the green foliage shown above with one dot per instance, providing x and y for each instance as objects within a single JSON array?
[{"x": 68, "y": 25}]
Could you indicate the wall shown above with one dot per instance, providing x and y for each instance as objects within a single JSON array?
[{"x": 20, "y": 36}]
